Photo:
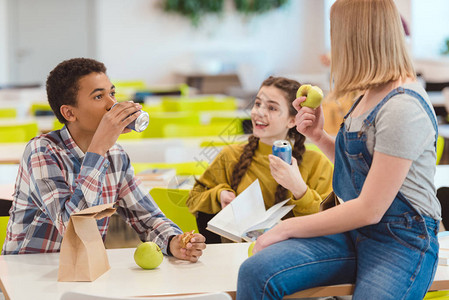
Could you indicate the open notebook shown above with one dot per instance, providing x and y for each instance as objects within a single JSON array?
[{"x": 245, "y": 218}]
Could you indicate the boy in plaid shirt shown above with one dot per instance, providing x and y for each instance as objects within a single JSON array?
[{"x": 81, "y": 165}]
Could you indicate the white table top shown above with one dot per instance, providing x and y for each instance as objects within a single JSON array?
[
  {"x": 216, "y": 270},
  {"x": 34, "y": 276}
]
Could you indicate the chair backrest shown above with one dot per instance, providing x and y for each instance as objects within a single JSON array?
[
  {"x": 224, "y": 130},
  {"x": 133, "y": 135},
  {"x": 437, "y": 295},
  {"x": 158, "y": 121},
  {"x": 202, "y": 296},
  {"x": 440, "y": 148},
  {"x": 3, "y": 225},
  {"x": 8, "y": 113},
  {"x": 57, "y": 125},
  {"x": 20, "y": 132},
  {"x": 204, "y": 103},
  {"x": 172, "y": 203},
  {"x": 182, "y": 168},
  {"x": 41, "y": 109}
]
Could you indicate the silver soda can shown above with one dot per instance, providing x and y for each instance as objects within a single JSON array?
[
  {"x": 139, "y": 124},
  {"x": 283, "y": 150}
]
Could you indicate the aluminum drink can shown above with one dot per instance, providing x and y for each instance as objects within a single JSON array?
[
  {"x": 283, "y": 150},
  {"x": 139, "y": 124}
]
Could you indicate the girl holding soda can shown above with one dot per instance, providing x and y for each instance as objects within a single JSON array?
[{"x": 306, "y": 181}]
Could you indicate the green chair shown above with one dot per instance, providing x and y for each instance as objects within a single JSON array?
[
  {"x": 10, "y": 113},
  {"x": 437, "y": 295},
  {"x": 224, "y": 130},
  {"x": 183, "y": 168},
  {"x": 3, "y": 226},
  {"x": 153, "y": 108},
  {"x": 41, "y": 109},
  {"x": 159, "y": 120},
  {"x": 440, "y": 148},
  {"x": 172, "y": 203},
  {"x": 206, "y": 103},
  {"x": 20, "y": 132},
  {"x": 125, "y": 89},
  {"x": 133, "y": 135},
  {"x": 57, "y": 125}
]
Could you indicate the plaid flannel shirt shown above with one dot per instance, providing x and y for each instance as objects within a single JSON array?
[{"x": 56, "y": 179}]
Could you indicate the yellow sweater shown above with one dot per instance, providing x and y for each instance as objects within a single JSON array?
[{"x": 316, "y": 170}]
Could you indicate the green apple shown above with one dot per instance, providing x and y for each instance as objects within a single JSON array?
[
  {"x": 250, "y": 248},
  {"x": 148, "y": 255},
  {"x": 313, "y": 94}
]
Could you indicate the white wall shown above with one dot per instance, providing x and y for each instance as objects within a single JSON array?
[
  {"x": 3, "y": 43},
  {"x": 430, "y": 26},
  {"x": 137, "y": 40}
]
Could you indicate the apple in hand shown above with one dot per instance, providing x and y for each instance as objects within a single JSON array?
[
  {"x": 250, "y": 248},
  {"x": 313, "y": 94},
  {"x": 148, "y": 255}
]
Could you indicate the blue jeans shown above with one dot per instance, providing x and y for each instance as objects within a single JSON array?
[{"x": 393, "y": 266}]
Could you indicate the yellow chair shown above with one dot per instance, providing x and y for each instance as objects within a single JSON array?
[
  {"x": 437, "y": 295},
  {"x": 159, "y": 120},
  {"x": 206, "y": 103},
  {"x": 20, "y": 132},
  {"x": 57, "y": 125},
  {"x": 178, "y": 90},
  {"x": 133, "y": 135},
  {"x": 8, "y": 113},
  {"x": 183, "y": 168},
  {"x": 172, "y": 203},
  {"x": 126, "y": 89},
  {"x": 440, "y": 148},
  {"x": 153, "y": 108},
  {"x": 41, "y": 109},
  {"x": 224, "y": 130},
  {"x": 3, "y": 226}
]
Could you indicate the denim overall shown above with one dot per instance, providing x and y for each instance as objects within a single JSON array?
[{"x": 393, "y": 259}]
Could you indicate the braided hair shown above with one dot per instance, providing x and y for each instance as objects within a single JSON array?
[{"x": 289, "y": 87}]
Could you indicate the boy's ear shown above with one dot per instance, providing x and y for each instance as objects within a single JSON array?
[{"x": 67, "y": 112}]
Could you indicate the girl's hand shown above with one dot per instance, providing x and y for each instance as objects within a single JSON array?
[
  {"x": 272, "y": 236},
  {"x": 287, "y": 175},
  {"x": 309, "y": 121},
  {"x": 226, "y": 197}
]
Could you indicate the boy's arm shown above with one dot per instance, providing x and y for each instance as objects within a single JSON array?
[{"x": 141, "y": 212}]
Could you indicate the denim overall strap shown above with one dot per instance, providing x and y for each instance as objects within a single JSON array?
[
  {"x": 351, "y": 109},
  {"x": 400, "y": 90},
  {"x": 352, "y": 158}
]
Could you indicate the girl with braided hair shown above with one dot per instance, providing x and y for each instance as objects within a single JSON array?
[{"x": 307, "y": 181}]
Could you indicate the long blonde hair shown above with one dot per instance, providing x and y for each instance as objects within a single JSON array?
[{"x": 368, "y": 46}]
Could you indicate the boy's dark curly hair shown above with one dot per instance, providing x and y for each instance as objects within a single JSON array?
[{"x": 62, "y": 82}]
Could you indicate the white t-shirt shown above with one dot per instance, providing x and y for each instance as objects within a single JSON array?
[{"x": 402, "y": 128}]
